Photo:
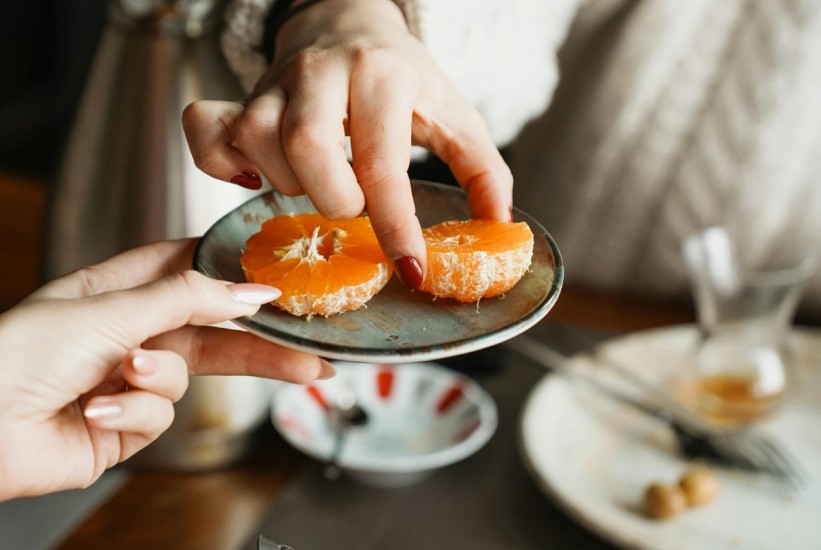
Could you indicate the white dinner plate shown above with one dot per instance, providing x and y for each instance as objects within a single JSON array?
[
  {"x": 396, "y": 325},
  {"x": 595, "y": 457}
]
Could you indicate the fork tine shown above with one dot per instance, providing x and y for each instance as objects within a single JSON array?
[
  {"x": 748, "y": 448},
  {"x": 788, "y": 459},
  {"x": 773, "y": 458}
]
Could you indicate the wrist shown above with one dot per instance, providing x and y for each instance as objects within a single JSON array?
[
  {"x": 248, "y": 48},
  {"x": 308, "y": 22}
]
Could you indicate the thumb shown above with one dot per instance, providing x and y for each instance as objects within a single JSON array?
[{"x": 186, "y": 298}]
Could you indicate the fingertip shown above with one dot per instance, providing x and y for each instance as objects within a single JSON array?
[
  {"x": 410, "y": 272},
  {"x": 326, "y": 370}
]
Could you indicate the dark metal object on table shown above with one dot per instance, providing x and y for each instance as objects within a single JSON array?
[
  {"x": 264, "y": 543},
  {"x": 343, "y": 415},
  {"x": 741, "y": 448}
]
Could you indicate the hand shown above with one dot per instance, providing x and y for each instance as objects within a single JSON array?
[
  {"x": 91, "y": 363},
  {"x": 351, "y": 67}
]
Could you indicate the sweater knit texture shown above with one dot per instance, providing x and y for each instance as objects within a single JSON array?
[{"x": 669, "y": 117}]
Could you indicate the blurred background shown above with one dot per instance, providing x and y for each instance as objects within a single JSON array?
[
  {"x": 49, "y": 48},
  {"x": 43, "y": 78},
  {"x": 40, "y": 91}
]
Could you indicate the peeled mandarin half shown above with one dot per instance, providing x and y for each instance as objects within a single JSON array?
[
  {"x": 321, "y": 266},
  {"x": 474, "y": 259}
]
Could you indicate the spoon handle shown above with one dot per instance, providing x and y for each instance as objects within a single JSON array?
[{"x": 332, "y": 470}]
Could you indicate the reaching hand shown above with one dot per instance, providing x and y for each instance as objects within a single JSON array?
[
  {"x": 91, "y": 363},
  {"x": 351, "y": 67}
]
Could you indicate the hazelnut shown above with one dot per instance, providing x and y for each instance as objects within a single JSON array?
[
  {"x": 664, "y": 501},
  {"x": 700, "y": 485}
]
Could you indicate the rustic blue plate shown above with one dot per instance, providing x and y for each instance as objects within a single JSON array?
[{"x": 396, "y": 325}]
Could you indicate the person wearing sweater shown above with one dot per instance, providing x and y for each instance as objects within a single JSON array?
[{"x": 628, "y": 125}]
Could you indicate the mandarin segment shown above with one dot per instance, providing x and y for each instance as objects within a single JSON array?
[
  {"x": 473, "y": 259},
  {"x": 322, "y": 267}
]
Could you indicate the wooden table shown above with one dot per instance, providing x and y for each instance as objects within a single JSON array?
[{"x": 219, "y": 510}]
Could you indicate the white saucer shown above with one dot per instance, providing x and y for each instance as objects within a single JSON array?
[
  {"x": 421, "y": 416},
  {"x": 595, "y": 457}
]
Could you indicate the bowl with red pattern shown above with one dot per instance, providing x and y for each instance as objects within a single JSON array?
[{"x": 420, "y": 417}]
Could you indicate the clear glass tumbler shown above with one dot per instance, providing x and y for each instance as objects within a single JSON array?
[{"x": 741, "y": 367}]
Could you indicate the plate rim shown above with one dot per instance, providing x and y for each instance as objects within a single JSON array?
[
  {"x": 559, "y": 498},
  {"x": 417, "y": 354}
]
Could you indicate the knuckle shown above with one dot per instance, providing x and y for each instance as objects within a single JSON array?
[
  {"x": 372, "y": 172},
  {"x": 192, "y": 114},
  {"x": 188, "y": 283},
  {"x": 252, "y": 127},
  {"x": 287, "y": 187},
  {"x": 384, "y": 65},
  {"x": 303, "y": 140},
  {"x": 390, "y": 229},
  {"x": 193, "y": 280},
  {"x": 305, "y": 62},
  {"x": 208, "y": 161},
  {"x": 92, "y": 279}
]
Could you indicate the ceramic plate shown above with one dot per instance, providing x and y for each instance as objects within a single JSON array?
[
  {"x": 421, "y": 416},
  {"x": 595, "y": 457},
  {"x": 397, "y": 325}
]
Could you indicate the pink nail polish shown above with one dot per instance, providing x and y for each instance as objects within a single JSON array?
[
  {"x": 410, "y": 272},
  {"x": 249, "y": 180},
  {"x": 102, "y": 409},
  {"x": 144, "y": 364},
  {"x": 254, "y": 294}
]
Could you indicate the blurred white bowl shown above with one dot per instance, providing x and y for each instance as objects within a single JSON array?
[{"x": 421, "y": 416}]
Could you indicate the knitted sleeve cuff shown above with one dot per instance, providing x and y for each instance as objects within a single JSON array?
[
  {"x": 500, "y": 54},
  {"x": 242, "y": 40}
]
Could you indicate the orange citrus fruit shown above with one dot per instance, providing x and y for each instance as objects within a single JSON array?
[
  {"x": 474, "y": 259},
  {"x": 321, "y": 266}
]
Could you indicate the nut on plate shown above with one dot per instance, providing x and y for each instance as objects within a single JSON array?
[
  {"x": 700, "y": 485},
  {"x": 664, "y": 501}
]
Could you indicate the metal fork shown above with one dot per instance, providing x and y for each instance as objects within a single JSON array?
[{"x": 742, "y": 448}]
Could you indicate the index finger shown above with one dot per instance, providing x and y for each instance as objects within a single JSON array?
[{"x": 380, "y": 143}]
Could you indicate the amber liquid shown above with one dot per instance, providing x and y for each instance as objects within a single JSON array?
[{"x": 734, "y": 400}]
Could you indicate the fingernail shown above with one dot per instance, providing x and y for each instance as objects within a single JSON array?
[
  {"x": 410, "y": 272},
  {"x": 328, "y": 371},
  {"x": 510, "y": 209},
  {"x": 254, "y": 294},
  {"x": 102, "y": 409},
  {"x": 249, "y": 180},
  {"x": 144, "y": 364}
]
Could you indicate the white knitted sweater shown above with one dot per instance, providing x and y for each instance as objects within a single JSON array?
[{"x": 670, "y": 116}]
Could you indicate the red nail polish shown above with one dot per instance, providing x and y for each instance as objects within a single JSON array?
[
  {"x": 510, "y": 209},
  {"x": 410, "y": 272},
  {"x": 249, "y": 180}
]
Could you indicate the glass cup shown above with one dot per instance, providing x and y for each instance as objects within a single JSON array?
[{"x": 741, "y": 366}]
